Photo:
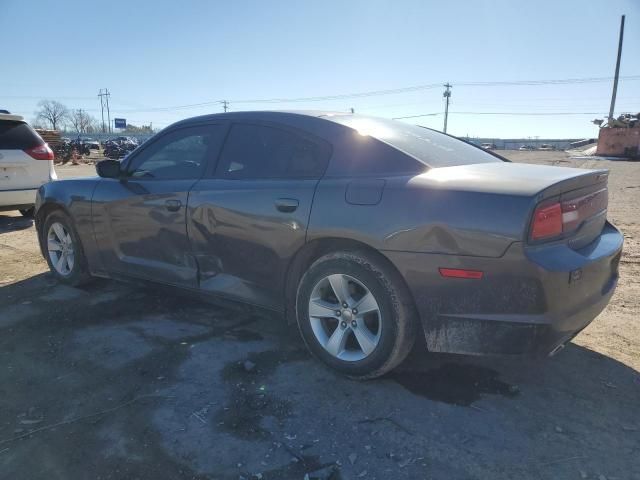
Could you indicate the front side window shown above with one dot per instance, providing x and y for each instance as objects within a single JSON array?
[
  {"x": 182, "y": 154},
  {"x": 259, "y": 151}
]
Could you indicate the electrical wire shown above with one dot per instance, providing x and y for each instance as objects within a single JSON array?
[
  {"x": 565, "y": 81},
  {"x": 499, "y": 113}
]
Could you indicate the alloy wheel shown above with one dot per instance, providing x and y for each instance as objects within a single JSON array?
[
  {"x": 61, "y": 249},
  {"x": 345, "y": 317}
]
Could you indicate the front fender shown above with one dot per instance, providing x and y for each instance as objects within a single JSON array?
[{"x": 74, "y": 197}]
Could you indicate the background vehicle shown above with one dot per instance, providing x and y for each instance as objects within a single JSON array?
[
  {"x": 119, "y": 147},
  {"x": 527, "y": 147},
  {"x": 547, "y": 147},
  {"x": 91, "y": 143},
  {"x": 80, "y": 147},
  {"x": 408, "y": 233},
  {"x": 63, "y": 150},
  {"x": 26, "y": 162},
  {"x": 488, "y": 146}
]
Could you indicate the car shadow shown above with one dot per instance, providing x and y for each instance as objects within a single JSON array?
[
  {"x": 575, "y": 377},
  {"x": 13, "y": 223},
  {"x": 538, "y": 416},
  {"x": 454, "y": 379}
]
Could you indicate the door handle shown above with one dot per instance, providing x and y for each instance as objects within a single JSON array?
[
  {"x": 173, "y": 205},
  {"x": 287, "y": 205}
]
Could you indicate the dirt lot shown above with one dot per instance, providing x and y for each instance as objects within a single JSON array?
[{"x": 119, "y": 381}]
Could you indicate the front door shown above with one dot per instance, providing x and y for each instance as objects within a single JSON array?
[{"x": 140, "y": 219}]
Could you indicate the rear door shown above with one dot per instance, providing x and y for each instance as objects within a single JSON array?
[
  {"x": 18, "y": 169},
  {"x": 249, "y": 217},
  {"x": 140, "y": 219}
]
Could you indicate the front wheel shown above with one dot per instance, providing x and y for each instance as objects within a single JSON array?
[
  {"x": 355, "y": 314},
  {"x": 64, "y": 251}
]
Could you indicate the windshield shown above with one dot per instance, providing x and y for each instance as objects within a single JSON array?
[{"x": 432, "y": 148}]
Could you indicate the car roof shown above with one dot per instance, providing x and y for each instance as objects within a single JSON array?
[
  {"x": 265, "y": 115},
  {"x": 10, "y": 117}
]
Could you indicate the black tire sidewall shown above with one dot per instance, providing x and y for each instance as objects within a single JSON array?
[
  {"x": 79, "y": 272},
  {"x": 383, "y": 295}
]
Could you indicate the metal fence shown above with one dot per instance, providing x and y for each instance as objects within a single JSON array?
[
  {"x": 101, "y": 137},
  {"x": 516, "y": 143}
]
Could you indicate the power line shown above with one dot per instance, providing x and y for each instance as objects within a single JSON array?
[
  {"x": 528, "y": 113},
  {"x": 372, "y": 93},
  {"x": 418, "y": 116},
  {"x": 414, "y": 88},
  {"x": 434, "y": 85},
  {"x": 499, "y": 113}
]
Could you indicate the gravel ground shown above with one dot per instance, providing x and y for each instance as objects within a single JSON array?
[{"x": 118, "y": 381}]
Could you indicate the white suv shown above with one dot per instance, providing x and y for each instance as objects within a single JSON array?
[{"x": 26, "y": 162}]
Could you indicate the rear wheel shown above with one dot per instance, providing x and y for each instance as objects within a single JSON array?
[
  {"x": 355, "y": 314},
  {"x": 64, "y": 251}
]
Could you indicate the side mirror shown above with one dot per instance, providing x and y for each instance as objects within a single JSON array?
[{"x": 108, "y": 168}]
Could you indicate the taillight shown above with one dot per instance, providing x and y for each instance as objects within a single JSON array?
[
  {"x": 41, "y": 152},
  {"x": 547, "y": 222},
  {"x": 554, "y": 219}
]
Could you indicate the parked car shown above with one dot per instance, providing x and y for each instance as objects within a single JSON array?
[
  {"x": 527, "y": 147},
  {"x": 26, "y": 162},
  {"x": 367, "y": 233},
  {"x": 488, "y": 146},
  {"x": 91, "y": 143},
  {"x": 546, "y": 147}
]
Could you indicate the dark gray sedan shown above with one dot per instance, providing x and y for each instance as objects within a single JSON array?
[{"x": 366, "y": 232}]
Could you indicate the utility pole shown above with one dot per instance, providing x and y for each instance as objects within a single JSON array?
[
  {"x": 101, "y": 109},
  {"x": 107, "y": 94},
  {"x": 225, "y": 105},
  {"x": 447, "y": 96},
  {"x": 104, "y": 100},
  {"x": 615, "y": 78}
]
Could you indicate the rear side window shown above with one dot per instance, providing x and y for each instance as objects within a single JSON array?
[
  {"x": 17, "y": 136},
  {"x": 431, "y": 148},
  {"x": 260, "y": 151}
]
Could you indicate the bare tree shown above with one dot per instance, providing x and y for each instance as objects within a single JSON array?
[
  {"x": 52, "y": 112},
  {"x": 82, "y": 121}
]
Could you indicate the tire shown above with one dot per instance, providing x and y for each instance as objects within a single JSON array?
[
  {"x": 76, "y": 272},
  {"x": 28, "y": 212},
  {"x": 376, "y": 340}
]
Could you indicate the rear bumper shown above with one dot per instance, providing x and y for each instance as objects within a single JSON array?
[
  {"x": 530, "y": 301},
  {"x": 17, "y": 199}
]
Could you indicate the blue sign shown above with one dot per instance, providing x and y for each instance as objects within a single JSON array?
[{"x": 120, "y": 122}]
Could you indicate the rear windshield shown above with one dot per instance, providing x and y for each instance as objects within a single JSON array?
[
  {"x": 432, "y": 148},
  {"x": 17, "y": 136}
]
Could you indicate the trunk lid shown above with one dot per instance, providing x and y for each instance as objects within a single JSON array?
[
  {"x": 579, "y": 195},
  {"x": 520, "y": 179}
]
